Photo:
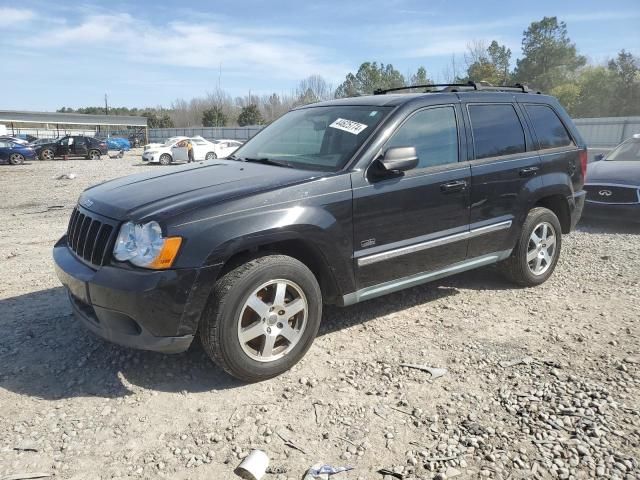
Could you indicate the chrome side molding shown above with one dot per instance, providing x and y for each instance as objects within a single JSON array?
[{"x": 417, "y": 247}]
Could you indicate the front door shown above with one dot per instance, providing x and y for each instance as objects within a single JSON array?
[
  {"x": 417, "y": 222},
  {"x": 180, "y": 152}
]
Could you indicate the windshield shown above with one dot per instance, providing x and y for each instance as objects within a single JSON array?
[
  {"x": 317, "y": 138},
  {"x": 626, "y": 152}
]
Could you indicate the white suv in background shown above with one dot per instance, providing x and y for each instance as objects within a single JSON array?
[{"x": 169, "y": 152}]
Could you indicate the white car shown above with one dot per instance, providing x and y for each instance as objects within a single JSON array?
[{"x": 170, "y": 152}]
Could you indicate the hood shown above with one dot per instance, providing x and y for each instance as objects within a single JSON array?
[
  {"x": 168, "y": 193},
  {"x": 611, "y": 171}
]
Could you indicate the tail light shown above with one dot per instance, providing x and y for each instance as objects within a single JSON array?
[{"x": 583, "y": 162}]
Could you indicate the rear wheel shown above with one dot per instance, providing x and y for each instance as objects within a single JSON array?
[
  {"x": 262, "y": 317},
  {"x": 16, "y": 159},
  {"x": 536, "y": 254},
  {"x": 165, "y": 159},
  {"x": 47, "y": 154},
  {"x": 94, "y": 155},
  {"x": 210, "y": 156}
]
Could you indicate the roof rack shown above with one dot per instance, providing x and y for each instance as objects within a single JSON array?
[{"x": 453, "y": 87}]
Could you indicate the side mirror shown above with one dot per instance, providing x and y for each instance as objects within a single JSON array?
[
  {"x": 598, "y": 157},
  {"x": 399, "y": 159}
]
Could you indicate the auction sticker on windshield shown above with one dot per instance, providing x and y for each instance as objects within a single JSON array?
[{"x": 348, "y": 126}]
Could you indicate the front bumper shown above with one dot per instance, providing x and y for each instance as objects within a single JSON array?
[
  {"x": 149, "y": 158},
  {"x": 144, "y": 309},
  {"x": 629, "y": 213}
]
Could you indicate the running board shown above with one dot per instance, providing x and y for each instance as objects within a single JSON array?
[{"x": 420, "y": 278}]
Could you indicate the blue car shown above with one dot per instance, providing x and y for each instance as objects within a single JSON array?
[{"x": 15, "y": 153}]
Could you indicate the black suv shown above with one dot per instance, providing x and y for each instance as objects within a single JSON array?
[
  {"x": 72, "y": 146},
  {"x": 336, "y": 202}
]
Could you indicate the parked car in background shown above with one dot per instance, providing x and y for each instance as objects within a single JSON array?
[
  {"x": 172, "y": 152},
  {"x": 161, "y": 152},
  {"x": 333, "y": 203},
  {"x": 15, "y": 153},
  {"x": 74, "y": 146},
  {"x": 613, "y": 183}
]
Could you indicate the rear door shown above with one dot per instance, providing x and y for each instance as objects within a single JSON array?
[
  {"x": 505, "y": 169},
  {"x": 80, "y": 146},
  {"x": 200, "y": 148},
  {"x": 416, "y": 222}
]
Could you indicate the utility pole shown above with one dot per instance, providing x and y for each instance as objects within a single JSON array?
[{"x": 106, "y": 105}]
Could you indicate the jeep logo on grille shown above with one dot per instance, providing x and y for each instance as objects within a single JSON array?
[
  {"x": 604, "y": 193},
  {"x": 86, "y": 202}
]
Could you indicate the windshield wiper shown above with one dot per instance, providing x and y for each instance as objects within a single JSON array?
[{"x": 268, "y": 161}]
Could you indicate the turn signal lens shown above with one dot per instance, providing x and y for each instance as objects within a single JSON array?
[{"x": 167, "y": 255}]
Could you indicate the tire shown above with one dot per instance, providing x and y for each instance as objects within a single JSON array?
[
  {"x": 228, "y": 316},
  {"x": 16, "y": 159},
  {"x": 165, "y": 159},
  {"x": 528, "y": 265},
  {"x": 47, "y": 154},
  {"x": 94, "y": 155},
  {"x": 210, "y": 156}
]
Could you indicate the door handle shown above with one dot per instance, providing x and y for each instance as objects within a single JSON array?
[
  {"x": 528, "y": 172},
  {"x": 456, "y": 186}
]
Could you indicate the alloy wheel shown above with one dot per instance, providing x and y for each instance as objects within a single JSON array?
[
  {"x": 16, "y": 159},
  {"x": 541, "y": 249},
  {"x": 47, "y": 155},
  {"x": 272, "y": 320}
]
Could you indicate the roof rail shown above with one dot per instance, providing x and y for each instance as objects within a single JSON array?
[{"x": 453, "y": 87}]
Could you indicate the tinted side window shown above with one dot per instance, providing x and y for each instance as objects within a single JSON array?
[
  {"x": 434, "y": 134},
  {"x": 550, "y": 131},
  {"x": 496, "y": 130}
]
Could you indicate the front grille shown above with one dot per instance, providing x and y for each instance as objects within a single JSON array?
[
  {"x": 612, "y": 194},
  {"x": 90, "y": 238}
]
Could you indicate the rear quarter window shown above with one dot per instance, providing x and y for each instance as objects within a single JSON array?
[
  {"x": 496, "y": 130},
  {"x": 549, "y": 129}
]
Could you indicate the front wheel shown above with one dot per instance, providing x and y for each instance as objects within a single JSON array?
[
  {"x": 165, "y": 159},
  {"x": 16, "y": 159},
  {"x": 94, "y": 155},
  {"x": 262, "y": 317},
  {"x": 210, "y": 156},
  {"x": 536, "y": 254}
]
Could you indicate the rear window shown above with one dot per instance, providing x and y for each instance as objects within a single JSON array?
[
  {"x": 550, "y": 131},
  {"x": 496, "y": 130}
]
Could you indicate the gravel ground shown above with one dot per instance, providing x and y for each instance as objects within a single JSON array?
[{"x": 539, "y": 383}]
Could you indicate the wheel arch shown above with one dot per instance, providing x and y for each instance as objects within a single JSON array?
[
  {"x": 300, "y": 249},
  {"x": 559, "y": 205}
]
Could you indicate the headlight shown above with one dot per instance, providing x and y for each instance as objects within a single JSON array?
[
  {"x": 144, "y": 246},
  {"x": 151, "y": 152}
]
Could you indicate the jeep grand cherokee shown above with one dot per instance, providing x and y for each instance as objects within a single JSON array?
[{"x": 336, "y": 202}]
